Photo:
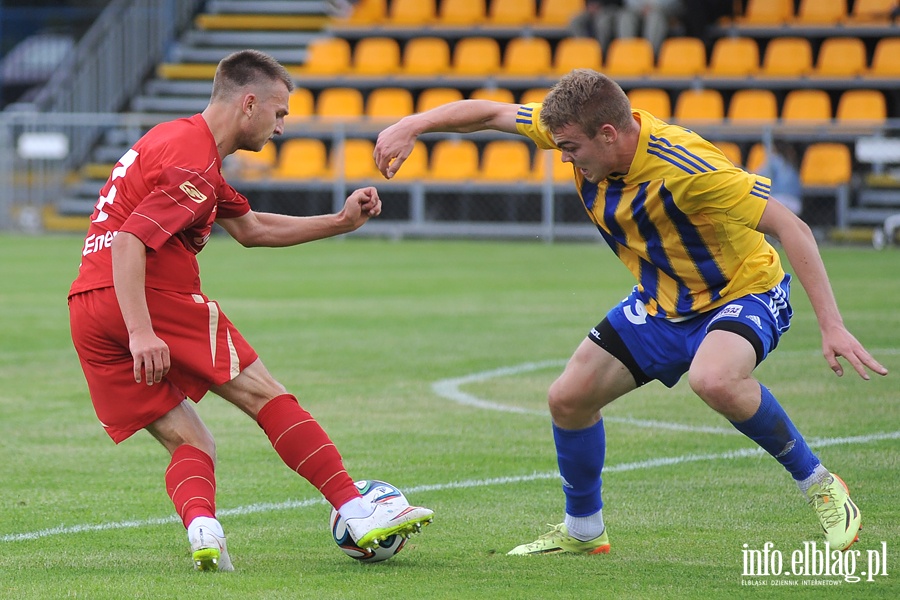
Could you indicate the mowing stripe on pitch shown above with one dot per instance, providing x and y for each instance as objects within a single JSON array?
[{"x": 469, "y": 483}]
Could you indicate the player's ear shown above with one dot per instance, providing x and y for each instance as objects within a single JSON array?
[{"x": 249, "y": 104}]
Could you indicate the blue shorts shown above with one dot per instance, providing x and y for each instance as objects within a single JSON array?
[{"x": 659, "y": 348}]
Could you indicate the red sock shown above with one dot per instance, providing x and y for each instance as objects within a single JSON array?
[
  {"x": 191, "y": 483},
  {"x": 305, "y": 447}
]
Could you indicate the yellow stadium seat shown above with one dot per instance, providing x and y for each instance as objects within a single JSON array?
[
  {"x": 411, "y": 13},
  {"x": 301, "y": 104},
  {"x": 806, "y": 106},
  {"x": 462, "y": 13},
  {"x": 511, "y": 13},
  {"x": 787, "y": 57},
  {"x": 734, "y": 57},
  {"x": 656, "y": 101},
  {"x": 415, "y": 166},
  {"x": 431, "y": 97},
  {"x": 493, "y": 93},
  {"x": 767, "y": 12},
  {"x": 505, "y": 161},
  {"x": 756, "y": 157},
  {"x": 560, "y": 172},
  {"x": 753, "y": 106},
  {"x": 629, "y": 57},
  {"x": 454, "y": 160},
  {"x": 390, "y": 103},
  {"x": 527, "y": 57},
  {"x": 356, "y": 161},
  {"x": 731, "y": 151},
  {"x": 681, "y": 57},
  {"x": 302, "y": 158},
  {"x": 886, "y": 59},
  {"x": 704, "y": 105},
  {"x": 558, "y": 13},
  {"x": 339, "y": 103},
  {"x": 476, "y": 56},
  {"x": 826, "y": 164},
  {"x": 861, "y": 106},
  {"x": 533, "y": 95},
  {"x": 366, "y": 12},
  {"x": 426, "y": 56},
  {"x": 871, "y": 11},
  {"x": 251, "y": 165},
  {"x": 577, "y": 53},
  {"x": 821, "y": 12},
  {"x": 376, "y": 56},
  {"x": 841, "y": 57},
  {"x": 327, "y": 57}
]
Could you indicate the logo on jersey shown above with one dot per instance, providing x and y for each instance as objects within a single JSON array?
[
  {"x": 756, "y": 320},
  {"x": 192, "y": 192},
  {"x": 732, "y": 310}
]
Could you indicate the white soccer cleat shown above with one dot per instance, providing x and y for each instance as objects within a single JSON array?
[
  {"x": 389, "y": 517},
  {"x": 208, "y": 549}
]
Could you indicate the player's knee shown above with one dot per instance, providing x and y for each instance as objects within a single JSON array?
[
  {"x": 565, "y": 404},
  {"x": 713, "y": 387}
]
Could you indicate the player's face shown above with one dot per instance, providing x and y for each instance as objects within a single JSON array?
[
  {"x": 267, "y": 117},
  {"x": 593, "y": 156}
]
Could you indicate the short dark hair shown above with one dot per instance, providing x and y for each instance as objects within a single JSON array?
[
  {"x": 247, "y": 67},
  {"x": 587, "y": 99}
]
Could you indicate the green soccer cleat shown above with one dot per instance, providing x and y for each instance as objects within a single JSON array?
[
  {"x": 390, "y": 517},
  {"x": 558, "y": 540},
  {"x": 838, "y": 514},
  {"x": 208, "y": 550}
]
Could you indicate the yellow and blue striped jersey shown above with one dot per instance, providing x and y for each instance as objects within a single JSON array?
[{"x": 682, "y": 218}]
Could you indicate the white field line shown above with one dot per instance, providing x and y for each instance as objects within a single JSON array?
[{"x": 465, "y": 484}]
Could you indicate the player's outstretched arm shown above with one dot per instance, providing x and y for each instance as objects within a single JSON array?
[
  {"x": 395, "y": 143},
  {"x": 803, "y": 254},
  {"x": 274, "y": 230}
]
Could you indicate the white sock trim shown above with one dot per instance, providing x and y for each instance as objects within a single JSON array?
[{"x": 585, "y": 528}]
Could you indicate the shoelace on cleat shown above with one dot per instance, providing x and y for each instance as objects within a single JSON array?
[{"x": 830, "y": 515}]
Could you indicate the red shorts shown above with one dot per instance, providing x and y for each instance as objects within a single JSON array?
[{"x": 205, "y": 348}]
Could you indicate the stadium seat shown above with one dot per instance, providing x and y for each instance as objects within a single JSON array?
[
  {"x": 377, "y": 56},
  {"x": 327, "y": 57},
  {"x": 787, "y": 57},
  {"x": 454, "y": 160},
  {"x": 493, "y": 93},
  {"x": 505, "y": 161},
  {"x": 821, "y": 12},
  {"x": 560, "y": 173},
  {"x": 425, "y": 56},
  {"x": 756, "y": 157},
  {"x": 681, "y": 57},
  {"x": 478, "y": 56},
  {"x": 339, "y": 103},
  {"x": 867, "y": 12},
  {"x": 415, "y": 166},
  {"x": 753, "y": 106},
  {"x": 411, "y": 13},
  {"x": 533, "y": 95},
  {"x": 704, "y": 105},
  {"x": 767, "y": 12},
  {"x": 577, "y": 53},
  {"x": 527, "y": 57},
  {"x": 629, "y": 57},
  {"x": 825, "y": 164},
  {"x": 861, "y": 106},
  {"x": 390, "y": 103},
  {"x": 841, "y": 57},
  {"x": 886, "y": 59},
  {"x": 302, "y": 158},
  {"x": 366, "y": 13},
  {"x": 804, "y": 106},
  {"x": 656, "y": 101},
  {"x": 558, "y": 13},
  {"x": 731, "y": 151},
  {"x": 734, "y": 57},
  {"x": 254, "y": 165},
  {"x": 462, "y": 13},
  {"x": 432, "y": 97},
  {"x": 356, "y": 160},
  {"x": 301, "y": 104},
  {"x": 511, "y": 13}
]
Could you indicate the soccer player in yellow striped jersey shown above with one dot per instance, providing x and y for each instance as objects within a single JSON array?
[{"x": 711, "y": 300}]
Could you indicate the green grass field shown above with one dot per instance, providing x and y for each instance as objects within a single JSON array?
[{"x": 385, "y": 343}]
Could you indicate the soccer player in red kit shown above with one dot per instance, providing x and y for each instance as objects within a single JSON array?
[{"x": 150, "y": 341}]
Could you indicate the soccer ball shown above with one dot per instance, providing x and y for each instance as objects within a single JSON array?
[{"x": 373, "y": 491}]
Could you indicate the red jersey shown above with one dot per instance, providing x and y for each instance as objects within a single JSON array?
[{"x": 167, "y": 190}]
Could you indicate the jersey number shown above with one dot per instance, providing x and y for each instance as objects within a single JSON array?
[{"x": 126, "y": 161}]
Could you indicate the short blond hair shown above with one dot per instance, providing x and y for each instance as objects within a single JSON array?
[
  {"x": 247, "y": 68},
  {"x": 587, "y": 99}
]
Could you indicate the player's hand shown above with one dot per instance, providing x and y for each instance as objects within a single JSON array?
[
  {"x": 393, "y": 147},
  {"x": 360, "y": 206},
  {"x": 151, "y": 357},
  {"x": 841, "y": 343}
]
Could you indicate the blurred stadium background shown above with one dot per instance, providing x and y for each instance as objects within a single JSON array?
[{"x": 80, "y": 81}]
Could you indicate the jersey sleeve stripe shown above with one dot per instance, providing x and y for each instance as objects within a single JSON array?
[{"x": 694, "y": 156}]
